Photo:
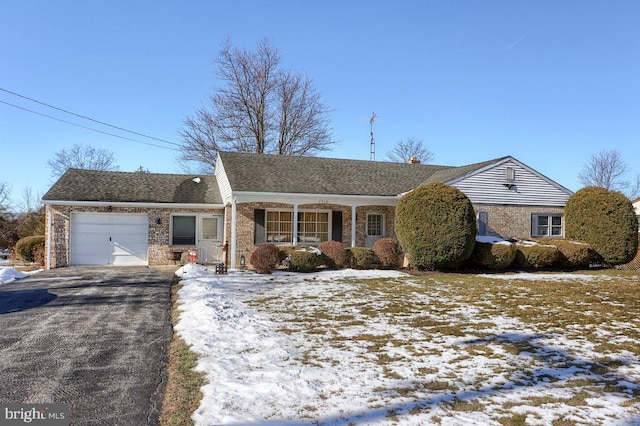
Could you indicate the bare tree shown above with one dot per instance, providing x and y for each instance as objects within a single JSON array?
[
  {"x": 407, "y": 148},
  {"x": 609, "y": 170},
  {"x": 30, "y": 200},
  {"x": 81, "y": 157},
  {"x": 259, "y": 108},
  {"x": 606, "y": 169},
  {"x": 5, "y": 201}
]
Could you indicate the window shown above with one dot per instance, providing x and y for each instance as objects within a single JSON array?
[
  {"x": 546, "y": 225},
  {"x": 183, "y": 230},
  {"x": 313, "y": 227},
  {"x": 210, "y": 228},
  {"x": 375, "y": 225},
  {"x": 279, "y": 227}
]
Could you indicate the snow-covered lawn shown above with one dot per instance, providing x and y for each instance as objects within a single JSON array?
[{"x": 380, "y": 347}]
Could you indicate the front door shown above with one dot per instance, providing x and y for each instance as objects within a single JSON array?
[{"x": 210, "y": 239}]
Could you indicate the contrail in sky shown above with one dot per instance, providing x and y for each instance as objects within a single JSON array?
[{"x": 517, "y": 41}]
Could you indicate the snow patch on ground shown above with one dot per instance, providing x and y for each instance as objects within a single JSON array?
[
  {"x": 264, "y": 368},
  {"x": 9, "y": 274}
]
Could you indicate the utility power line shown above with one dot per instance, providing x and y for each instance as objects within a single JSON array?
[
  {"x": 83, "y": 117},
  {"x": 88, "y": 128}
]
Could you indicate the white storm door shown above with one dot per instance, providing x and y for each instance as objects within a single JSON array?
[{"x": 210, "y": 239}]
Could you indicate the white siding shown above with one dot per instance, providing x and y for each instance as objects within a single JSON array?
[
  {"x": 489, "y": 186},
  {"x": 223, "y": 182}
]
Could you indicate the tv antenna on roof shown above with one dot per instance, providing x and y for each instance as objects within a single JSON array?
[{"x": 372, "y": 148}]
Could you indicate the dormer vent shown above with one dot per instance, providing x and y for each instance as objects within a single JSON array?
[{"x": 510, "y": 177}]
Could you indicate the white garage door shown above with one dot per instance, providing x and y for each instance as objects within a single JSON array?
[{"x": 108, "y": 239}]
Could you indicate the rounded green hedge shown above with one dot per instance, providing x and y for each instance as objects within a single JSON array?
[
  {"x": 361, "y": 257},
  {"x": 604, "y": 219},
  {"x": 436, "y": 225},
  {"x": 305, "y": 261},
  {"x": 493, "y": 256},
  {"x": 531, "y": 255},
  {"x": 25, "y": 247}
]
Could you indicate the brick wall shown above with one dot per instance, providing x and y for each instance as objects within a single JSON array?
[
  {"x": 512, "y": 221},
  {"x": 159, "y": 238}
]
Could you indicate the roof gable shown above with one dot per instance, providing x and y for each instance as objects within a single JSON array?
[{"x": 105, "y": 186}]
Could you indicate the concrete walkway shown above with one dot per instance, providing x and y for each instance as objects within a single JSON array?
[{"x": 93, "y": 338}]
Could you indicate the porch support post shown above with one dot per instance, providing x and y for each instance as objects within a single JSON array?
[
  {"x": 234, "y": 231},
  {"x": 353, "y": 226},
  {"x": 49, "y": 213},
  {"x": 295, "y": 225}
]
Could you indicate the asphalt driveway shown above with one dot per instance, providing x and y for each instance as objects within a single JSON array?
[{"x": 93, "y": 338}]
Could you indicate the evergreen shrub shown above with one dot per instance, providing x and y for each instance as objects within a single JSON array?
[
  {"x": 436, "y": 225},
  {"x": 493, "y": 256},
  {"x": 531, "y": 255},
  {"x": 605, "y": 220},
  {"x": 25, "y": 247},
  {"x": 361, "y": 257},
  {"x": 305, "y": 260}
]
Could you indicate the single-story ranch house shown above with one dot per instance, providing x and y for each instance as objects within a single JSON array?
[{"x": 104, "y": 218}]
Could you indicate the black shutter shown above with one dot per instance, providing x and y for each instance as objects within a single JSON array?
[
  {"x": 259, "y": 233},
  {"x": 336, "y": 226},
  {"x": 483, "y": 219}
]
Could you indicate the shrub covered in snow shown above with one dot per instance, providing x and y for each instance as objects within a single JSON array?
[
  {"x": 305, "y": 259},
  {"x": 572, "y": 254},
  {"x": 27, "y": 247},
  {"x": 387, "y": 251},
  {"x": 436, "y": 225},
  {"x": 531, "y": 255},
  {"x": 605, "y": 220},
  {"x": 334, "y": 253},
  {"x": 265, "y": 258},
  {"x": 361, "y": 257},
  {"x": 497, "y": 256}
]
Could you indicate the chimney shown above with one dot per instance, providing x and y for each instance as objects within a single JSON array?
[{"x": 413, "y": 160}]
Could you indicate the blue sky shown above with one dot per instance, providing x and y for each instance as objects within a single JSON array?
[{"x": 549, "y": 82}]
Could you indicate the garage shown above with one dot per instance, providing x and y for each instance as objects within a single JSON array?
[{"x": 108, "y": 239}]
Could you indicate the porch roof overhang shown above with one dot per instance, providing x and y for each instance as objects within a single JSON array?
[
  {"x": 195, "y": 206},
  {"x": 298, "y": 199}
]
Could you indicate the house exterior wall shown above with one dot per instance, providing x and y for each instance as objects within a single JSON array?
[
  {"x": 159, "y": 237},
  {"x": 245, "y": 223},
  {"x": 528, "y": 188},
  {"x": 508, "y": 221}
]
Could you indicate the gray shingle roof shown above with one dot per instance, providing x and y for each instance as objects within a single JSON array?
[
  {"x": 93, "y": 185},
  {"x": 318, "y": 175}
]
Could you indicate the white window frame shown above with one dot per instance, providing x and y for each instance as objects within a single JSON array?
[
  {"x": 266, "y": 226},
  {"x": 297, "y": 222},
  {"x": 195, "y": 238},
  {"x": 535, "y": 225},
  {"x": 383, "y": 224}
]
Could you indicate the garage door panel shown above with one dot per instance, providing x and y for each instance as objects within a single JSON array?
[{"x": 109, "y": 238}]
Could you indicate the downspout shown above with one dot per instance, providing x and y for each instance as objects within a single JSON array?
[
  {"x": 49, "y": 226},
  {"x": 234, "y": 231}
]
